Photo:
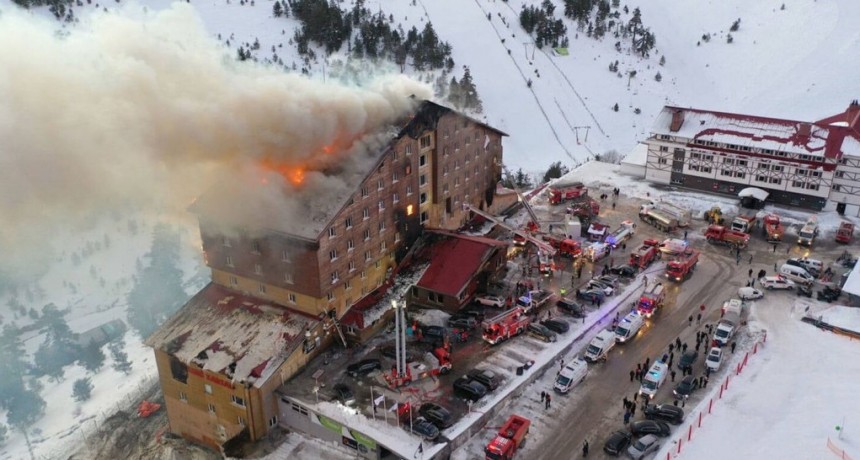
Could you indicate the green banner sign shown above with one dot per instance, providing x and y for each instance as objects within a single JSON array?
[
  {"x": 363, "y": 440},
  {"x": 330, "y": 424}
]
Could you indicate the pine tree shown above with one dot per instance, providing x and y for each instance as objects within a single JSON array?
[
  {"x": 615, "y": 107},
  {"x": 658, "y": 77},
  {"x": 555, "y": 171},
  {"x": 82, "y": 389},
  {"x": 120, "y": 357},
  {"x": 469, "y": 92},
  {"x": 663, "y": 60},
  {"x": 92, "y": 357},
  {"x": 277, "y": 10}
]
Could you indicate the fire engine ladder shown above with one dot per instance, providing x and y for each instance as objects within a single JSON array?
[
  {"x": 529, "y": 209},
  {"x": 541, "y": 245},
  {"x": 329, "y": 322}
]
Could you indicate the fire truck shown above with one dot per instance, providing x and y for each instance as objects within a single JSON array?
[
  {"x": 565, "y": 246},
  {"x": 588, "y": 208},
  {"x": 683, "y": 265},
  {"x": 717, "y": 234},
  {"x": 561, "y": 192},
  {"x": 504, "y": 326},
  {"x": 509, "y": 439},
  {"x": 651, "y": 300},
  {"x": 744, "y": 224},
  {"x": 645, "y": 255},
  {"x": 773, "y": 229},
  {"x": 435, "y": 363},
  {"x": 845, "y": 233},
  {"x": 621, "y": 235}
]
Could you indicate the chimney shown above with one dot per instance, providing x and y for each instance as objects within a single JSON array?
[{"x": 677, "y": 120}]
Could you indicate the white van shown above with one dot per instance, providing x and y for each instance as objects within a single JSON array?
[
  {"x": 653, "y": 379},
  {"x": 628, "y": 327},
  {"x": 796, "y": 274},
  {"x": 571, "y": 375},
  {"x": 599, "y": 347}
]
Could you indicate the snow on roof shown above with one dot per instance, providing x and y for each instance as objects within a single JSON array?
[
  {"x": 455, "y": 260},
  {"x": 759, "y": 132},
  {"x": 754, "y": 192},
  {"x": 637, "y": 156},
  {"x": 401, "y": 286},
  {"x": 852, "y": 284},
  {"x": 222, "y": 331}
]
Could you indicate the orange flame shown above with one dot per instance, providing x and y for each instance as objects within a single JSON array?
[{"x": 295, "y": 174}]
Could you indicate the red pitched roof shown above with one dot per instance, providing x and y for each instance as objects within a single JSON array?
[{"x": 455, "y": 260}]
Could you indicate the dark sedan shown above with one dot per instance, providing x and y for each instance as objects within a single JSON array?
[
  {"x": 592, "y": 295},
  {"x": 423, "y": 428},
  {"x": 666, "y": 412},
  {"x": 556, "y": 325},
  {"x": 343, "y": 394},
  {"x": 617, "y": 442},
  {"x": 469, "y": 389},
  {"x": 625, "y": 271},
  {"x": 486, "y": 377},
  {"x": 655, "y": 427},
  {"x": 437, "y": 415},
  {"x": 685, "y": 387},
  {"x": 570, "y": 307},
  {"x": 688, "y": 359},
  {"x": 363, "y": 367}
]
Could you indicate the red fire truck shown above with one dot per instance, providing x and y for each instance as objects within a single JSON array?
[
  {"x": 845, "y": 233},
  {"x": 504, "y": 326},
  {"x": 651, "y": 300},
  {"x": 565, "y": 246},
  {"x": 682, "y": 266},
  {"x": 717, "y": 234},
  {"x": 510, "y": 438},
  {"x": 645, "y": 255},
  {"x": 438, "y": 362},
  {"x": 773, "y": 229},
  {"x": 559, "y": 193}
]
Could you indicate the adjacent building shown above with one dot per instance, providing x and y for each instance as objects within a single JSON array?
[
  {"x": 799, "y": 163},
  {"x": 283, "y": 281}
]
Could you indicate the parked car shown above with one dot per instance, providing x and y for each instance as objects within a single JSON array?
[
  {"x": 687, "y": 359},
  {"x": 570, "y": 307},
  {"x": 617, "y": 442},
  {"x": 685, "y": 387},
  {"x": 812, "y": 266},
  {"x": 541, "y": 332},
  {"x": 422, "y": 427},
  {"x": 556, "y": 325},
  {"x": 343, "y": 394},
  {"x": 624, "y": 271},
  {"x": 363, "y": 367},
  {"x": 643, "y": 427},
  {"x": 469, "y": 389},
  {"x": 804, "y": 290},
  {"x": 434, "y": 333},
  {"x": 714, "y": 359},
  {"x": 591, "y": 295},
  {"x": 436, "y": 414},
  {"x": 829, "y": 294},
  {"x": 486, "y": 377},
  {"x": 462, "y": 323},
  {"x": 776, "y": 282},
  {"x": 490, "y": 301},
  {"x": 665, "y": 412},
  {"x": 643, "y": 446},
  {"x": 748, "y": 293},
  {"x": 601, "y": 286}
]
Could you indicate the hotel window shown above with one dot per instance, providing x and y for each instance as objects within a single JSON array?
[
  {"x": 348, "y": 284},
  {"x": 408, "y": 149},
  {"x": 332, "y": 232},
  {"x": 397, "y": 237},
  {"x": 288, "y": 278},
  {"x": 255, "y": 247},
  {"x": 381, "y": 204},
  {"x": 706, "y": 169},
  {"x": 240, "y": 420},
  {"x": 330, "y": 296},
  {"x": 446, "y": 133},
  {"x": 424, "y": 217},
  {"x": 445, "y": 188},
  {"x": 380, "y": 184},
  {"x": 365, "y": 213},
  {"x": 367, "y": 256},
  {"x": 350, "y": 245},
  {"x": 446, "y": 151},
  {"x": 797, "y": 183},
  {"x": 422, "y": 161},
  {"x": 423, "y": 198},
  {"x": 395, "y": 198},
  {"x": 258, "y": 269},
  {"x": 467, "y": 140},
  {"x": 292, "y": 298},
  {"x": 364, "y": 192},
  {"x": 381, "y": 226},
  {"x": 207, "y": 388},
  {"x": 261, "y": 288},
  {"x": 422, "y": 181},
  {"x": 662, "y": 161},
  {"x": 663, "y": 148},
  {"x": 407, "y": 170},
  {"x": 226, "y": 242},
  {"x": 445, "y": 170},
  {"x": 237, "y": 400},
  {"x": 351, "y": 265},
  {"x": 332, "y": 255},
  {"x": 409, "y": 190},
  {"x": 775, "y": 180},
  {"x": 348, "y": 223},
  {"x": 211, "y": 408},
  {"x": 334, "y": 277},
  {"x": 383, "y": 246},
  {"x": 183, "y": 397},
  {"x": 285, "y": 256},
  {"x": 761, "y": 178},
  {"x": 425, "y": 141},
  {"x": 366, "y": 234},
  {"x": 234, "y": 281},
  {"x": 273, "y": 421},
  {"x": 229, "y": 261},
  {"x": 394, "y": 176},
  {"x": 363, "y": 275}
]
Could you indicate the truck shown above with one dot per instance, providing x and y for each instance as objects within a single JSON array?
[
  {"x": 744, "y": 224},
  {"x": 435, "y": 363},
  {"x": 658, "y": 218},
  {"x": 561, "y": 192},
  {"x": 566, "y": 247},
  {"x": 717, "y": 234},
  {"x": 733, "y": 306},
  {"x": 845, "y": 233},
  {"x": 673, "y": 246},
  {"x": 806, "y": 235},
  {"x": 621, "y": 235},
  {"x": 504, "y": 326},
  {"x": 772, "y": 228},
  {"x": 596, "y": 251},
  {"x": 588, "y": 208},
  {"x": 683, "y": 265},
  {"x": 714, "y": 215},
  {"x": 598, "y": 348},
  {"x": 645, "y": 254},
  {"x": 510, "y": 438},
  {"x": 533, "y": 299},
  {"x": 682, "y": 216},
  {"x": 572, "y": 373},
  {"x": 597, "y": 231},
  {"x": 726, "y": 328},
  {"x": 653, "y": 379},
  {"x": 651, "y": 300},
  {"x": 628, "y": 327}
]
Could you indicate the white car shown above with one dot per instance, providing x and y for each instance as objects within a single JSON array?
[
  {"x": 601, "y": 286},
  {"x": 643, "y": 446},
  {"x": 776, "y": 282},
  {"x": 748, "y": 293},
  {"x": 490, "y": 301},
  {"x": 714, "y": 359}
]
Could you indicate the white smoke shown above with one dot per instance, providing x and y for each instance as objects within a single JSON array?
[{"x": 133, "y": 108}]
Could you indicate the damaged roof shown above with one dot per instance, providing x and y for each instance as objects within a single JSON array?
[
  {"x": 241, "y": 337},
  {"x": 455, "y": 260}
]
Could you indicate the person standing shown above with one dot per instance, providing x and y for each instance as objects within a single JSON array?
[
  {"x": 585, "y": 448},
  {"x": 672, "y": 374},
  {"x": 751, "y": 262},
  {"x": 542, "y": 396},
  {"x": 647, "y": 364},
  {"x": 548, "y": 400},
  {"x": 750, "y": 273},
  {"x": 626, "y": 402},
  {"x": 690, "y": 320},
  {"x": 632, "y": 374},
  {"x": 733, "y": 346},
  {"x": 632, "y": 409},
  {"x": 626, "y": 417},
  {"x": 699, "y": 318}
]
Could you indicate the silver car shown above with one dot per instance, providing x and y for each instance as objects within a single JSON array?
[{"x": 643, "y": 446}]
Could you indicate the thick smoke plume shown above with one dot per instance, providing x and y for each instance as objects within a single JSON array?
[{"x": 130, "y": 109}]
